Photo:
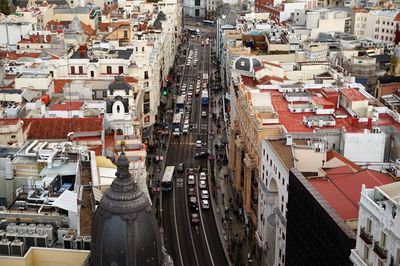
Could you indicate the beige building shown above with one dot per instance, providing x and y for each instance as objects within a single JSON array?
[
  {"x": 47, "y": 257},
  {"x": 254, "y": 120}
]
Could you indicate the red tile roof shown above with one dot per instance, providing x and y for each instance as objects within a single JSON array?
[
  {"x": 15, "y": 56},
  {"x": 342, "y": 188},
  {"x": 87, "y": 29},
  {"x": 333, "y": 154},
  {"x": 36, "y": 39},
  {"x": 58, "y": 128},
  {"x": 352, "y": 94},
  {"x": 59, "y": 85},
  {"x": 8, "y": 122},
  {"x": 66, "y": 106}
]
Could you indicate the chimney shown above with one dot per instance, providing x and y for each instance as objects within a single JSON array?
[{"x": 82, "y": 50}]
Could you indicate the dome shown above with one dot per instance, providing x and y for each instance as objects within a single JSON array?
[
  {"x": 246, "y": 63},
  {"x": 124, "y": 231},
  {"x": 119, "y": 84}
]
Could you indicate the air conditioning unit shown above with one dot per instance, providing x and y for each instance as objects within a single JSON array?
[
  {"x": 40, "y": 229},
  {"x": 2, "y": 234},
  {"x": 12, "y": 228},
  {"x": 86, "y": 242},
  {"x": 30, "y": 240},
  {"x": 17, "y": 248},
  {"x": 41, "y": 240},
  {"x": 5, "y": 247},
  {"x": 22, "y": 228},
  {"x": 31, "y": 228},
  {"x": 11, "y": 236},
  {"x": 61, "y": 233},
  {"x": 78, "y": 242},
  {"x": 49, "y": 230},
  {"x": 68, "y": 241}
]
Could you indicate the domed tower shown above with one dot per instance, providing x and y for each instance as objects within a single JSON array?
[
  {"x": 246, "y": 65},
  {"x": 124, "y": 231}
]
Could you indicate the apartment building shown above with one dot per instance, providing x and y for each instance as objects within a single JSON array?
[{"x": 379, "y": 226}]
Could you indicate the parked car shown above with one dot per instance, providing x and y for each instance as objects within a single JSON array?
[
  {"x": 191, "y": 179},
  {"x": 176, "y": 132},
  {"x": 203, "y": 114},
  {"x": 199, "y": 144}
]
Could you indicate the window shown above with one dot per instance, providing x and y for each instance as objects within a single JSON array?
[
  {"x": 143, "y": 49},
  {"x": 13, "y": 136},
  {"x": 264, "y": 152},
  {"x": 137, "y": 49},
  {"x": 109, "y": 70},
  {"x": 197, "y": 12},
  {"x": 92, "y": 74},
  {"x": 125, "y": 34},
  {"x": 146, "y": 84},
  {"x": 51, "y": 73},
  {"x": 283, "y": 181},
  {"x": 382, "y": 241},
  {"x": 80, "y": 70},
  {"x": 120, "y": 70},
  {"x": 197, "y": 2},
  {"x": 146, "y": 74},
  {"x": 366, "y": 253},
  {"x": 72, "y": 70},
  {"x": 368, "y": 226}
]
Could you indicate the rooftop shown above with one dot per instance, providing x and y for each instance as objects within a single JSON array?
[
  {"x": 283, "y": 151},
  {"x": 353, "y": 94},
  {"x": 66, "y": 106},
  {"x": 341, "y": 188}
]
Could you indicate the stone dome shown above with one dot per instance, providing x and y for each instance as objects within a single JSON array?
[
  {"x": 124, "y": 231},
  {"x": 246, "y": 63}
]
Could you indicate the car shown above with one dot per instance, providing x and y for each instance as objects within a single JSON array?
[
  {"x": 205, "y": 204},
  {"x": 190, "y": 93},
  {"x": 180, "y": 167},
  {"x": 193, "y": 204},
  {"x": 176, "y": 132},
  {"x": 185, "y": 129},
  {"x": 189, "y": 98},
  {"x": 202, "y": 176},
  {"x": 194, "y": 218},
  {"x": 203, "y": 114},
  {"x": 183, "y": 93},
  {"x": 202, "y": 184},
  {"x": 191, "y": 192},
  {"x": 201, "y": 155},
  {"x": 204, "y": 194},
  {"x": 199, "y": 144},
  {"x": 190, "y": 87},
  {"x": 191, "y": 179}
]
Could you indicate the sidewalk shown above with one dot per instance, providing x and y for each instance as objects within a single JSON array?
[{"x": 231, "y": 230}]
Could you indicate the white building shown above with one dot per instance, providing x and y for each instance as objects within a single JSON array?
[
  {"x": 378, "y": 234},
  {"x": 376, "y": 24},
  {"x": 194, "y": 8}
]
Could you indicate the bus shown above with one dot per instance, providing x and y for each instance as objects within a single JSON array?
[
  {"x": 180, "y": 102},
  {"x": 205, "y": 76},
  {"x": 176, "y": 121},
  {"x": 208, "y": 22},
  {"x": 166, "y": 183},
  {"x": 204, "y": 97}
]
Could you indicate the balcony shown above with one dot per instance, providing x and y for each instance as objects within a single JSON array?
[
  {"x": 365, "y": 236},
  {"x": 380, "y": 251}
]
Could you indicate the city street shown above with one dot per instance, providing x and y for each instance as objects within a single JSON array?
[{"x": 187, "y": 243}]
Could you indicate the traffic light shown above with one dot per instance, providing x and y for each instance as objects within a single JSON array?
[{"x": 164, "y": 92}]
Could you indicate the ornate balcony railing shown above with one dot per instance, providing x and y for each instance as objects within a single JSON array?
[
  {"x": 365, "y": 236},
  {"x": 380, "y": 251}
]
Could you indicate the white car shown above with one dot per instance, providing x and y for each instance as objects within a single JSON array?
[
  {"x": 199, "y": 144},
  {"x": 191, "y": 179},
  {"x": 203, "y": 114},
  {"x": 190, "y": 93},
  {"x": 205, "y": 204},
  {"x": 204, "y": 194},
  {"x": 176, "y": 132},
  {"x": 203, "y": 176},
  {"x": 202, "y": 184},
  {"x": 185, "y": 129}
]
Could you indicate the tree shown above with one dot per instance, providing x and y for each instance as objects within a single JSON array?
[{"x": 5, "y": 7}]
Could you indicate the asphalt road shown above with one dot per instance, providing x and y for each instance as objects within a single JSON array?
[{"x": 187, "y": 244}]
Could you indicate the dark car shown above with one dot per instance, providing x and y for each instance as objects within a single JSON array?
[
  {"x": 191, "y": 192},
  {"x": 201, "y": 155},
  {"x": 193, "y": 204},
  {"x": 181, "y": 167},
  {"x": 194, "y": 218}
]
